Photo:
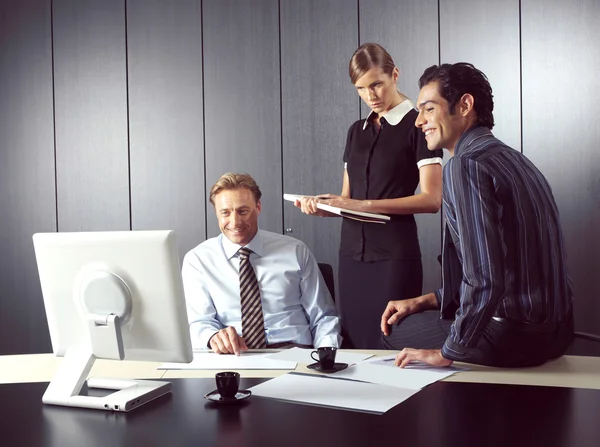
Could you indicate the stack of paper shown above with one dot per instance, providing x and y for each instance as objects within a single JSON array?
[
  {"x": 410, "y": 378},
  {"x": 370, "y": 386},
  {"x": 330, "y": 392}
]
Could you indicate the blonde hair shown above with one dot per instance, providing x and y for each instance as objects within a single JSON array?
[
  {"x": 367, "y": 56},
  {"x": 235, "y": 181}
]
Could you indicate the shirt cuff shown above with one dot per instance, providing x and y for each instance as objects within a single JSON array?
[
  {"x": 429, "y": 161},
  {"x": 456, "y": 352},
  {"x": 204, "y": 338},
  {"x": 328, "y": 341},
  {"x": 438, "y": 296}
]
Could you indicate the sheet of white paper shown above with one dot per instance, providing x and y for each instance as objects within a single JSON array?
[
  {"x": 303, "y": 356},
  {"x": 388, "y": 360},
  {"x": 410, "y": 378},
  {"x": 248, "y": 360},
  {"x": 330, "y": 392},
  {"x": 208, "y": 350}
]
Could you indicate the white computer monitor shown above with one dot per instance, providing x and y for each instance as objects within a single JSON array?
[{"x": 111, "y": 295}]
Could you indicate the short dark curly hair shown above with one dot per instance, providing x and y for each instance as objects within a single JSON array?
[{"x": 454, "y": 80}]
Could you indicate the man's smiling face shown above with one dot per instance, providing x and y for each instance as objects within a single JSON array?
[
  {"x": 442, "y": 128},
  {"x": 237, "y": 211}
]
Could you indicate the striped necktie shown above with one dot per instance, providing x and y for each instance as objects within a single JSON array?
[{"x": 253, "y": 326}]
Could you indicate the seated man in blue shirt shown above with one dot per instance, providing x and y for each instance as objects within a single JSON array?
[
  {"x": 297, "y": 309},
  {"x": 506, "y": 298}
]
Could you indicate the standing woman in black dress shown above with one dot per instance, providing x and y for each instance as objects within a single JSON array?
[{"x": 386, "y": 157}]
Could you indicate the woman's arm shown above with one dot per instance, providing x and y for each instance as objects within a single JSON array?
[
  {"x": 346, "y": 185},
  {"x": 308, "y": 205},
  {"x": 429, "y": 200}
]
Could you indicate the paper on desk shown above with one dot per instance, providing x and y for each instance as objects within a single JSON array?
[
  {"x": 411, "y": 378},
  {"x": 330, "y": 392},
  {"x": 247, "y": 360},
  {"x": 303, "y": 356},
  {"x": 388, "y": 360}
]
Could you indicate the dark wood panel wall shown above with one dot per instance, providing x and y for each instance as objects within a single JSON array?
[
  {"x": 166, "y": 128},
  {"x": 90, "y": 115},
  {"x": 318, "y": 105},
  {"x": 561, "y": 66},
  {"x": 486, "y": 34},
  {"x": 242, "y": 99},
  {"x": 27, "y": 191},
  {"x": 121, "y": 114}
]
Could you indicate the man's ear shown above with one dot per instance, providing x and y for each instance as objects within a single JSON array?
[
  {"x": 466, "y": 104},
  {"x": 258, "y": 206}
]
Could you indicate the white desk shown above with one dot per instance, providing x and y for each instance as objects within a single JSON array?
[{"x": 567, "y": 371}]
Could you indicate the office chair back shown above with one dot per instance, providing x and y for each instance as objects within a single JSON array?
[{"x": 327, "y": 272}]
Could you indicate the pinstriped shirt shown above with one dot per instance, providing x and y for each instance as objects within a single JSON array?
[{"x": 503, "y": 248}]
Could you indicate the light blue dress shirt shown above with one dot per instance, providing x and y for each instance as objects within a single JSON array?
[{"x": 297, "y": 306}]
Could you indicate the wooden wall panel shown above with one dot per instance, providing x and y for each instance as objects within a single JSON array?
[
  {"x": 164, "y": 40},
  {"x": 495, "y": 50},
  {"x": 242, "y": 100},
  {"x": 561, "y": 66},
  {"x": 409, "y": 32},
  {"x": 318, "y": 106},
  {"x": 275, "y": 90},
  {"x": 27, "y": 188},
  {"x": 91, "y": 115}
]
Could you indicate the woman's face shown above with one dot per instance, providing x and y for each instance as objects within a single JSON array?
[{"x": 378, "y": 90}]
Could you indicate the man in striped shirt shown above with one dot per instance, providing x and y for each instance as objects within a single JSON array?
[{"x": 506, "y": 298}]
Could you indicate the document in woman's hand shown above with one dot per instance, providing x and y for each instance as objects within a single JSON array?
[{"x": 350, "y": 214}]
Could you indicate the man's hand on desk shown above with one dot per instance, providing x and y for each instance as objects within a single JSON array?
[
  {"x": 432, "y": 357},
  {"x": 227, "y": 341}
]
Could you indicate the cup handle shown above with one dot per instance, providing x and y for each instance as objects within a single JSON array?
[{"x": 315, "y": 359}]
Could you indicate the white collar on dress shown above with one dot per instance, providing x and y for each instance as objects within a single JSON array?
[{"x": 395, "y": 115}]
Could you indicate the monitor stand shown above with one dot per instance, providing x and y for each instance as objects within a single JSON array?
[{"x": 67, "y": 383}]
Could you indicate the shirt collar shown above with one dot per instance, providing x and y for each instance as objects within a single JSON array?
[
  {"x": 231, "y": 249},
  {"x": 469, "y": 136},
  {"x": 393, "y": 116}
]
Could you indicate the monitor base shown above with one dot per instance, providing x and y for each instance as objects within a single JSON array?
[{"x": 66, "y": 385}]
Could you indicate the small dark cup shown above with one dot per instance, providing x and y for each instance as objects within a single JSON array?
[
  {"x": 326, "y": 357},
  {"x": 228, "y": 383}
]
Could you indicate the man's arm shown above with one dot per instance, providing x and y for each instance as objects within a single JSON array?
[
  {"x": 201, "y": 310},
  {"x": 317, "y": 303},
  {"x": 396, "y": 310},
  {"x": 472, "y": 191}
]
